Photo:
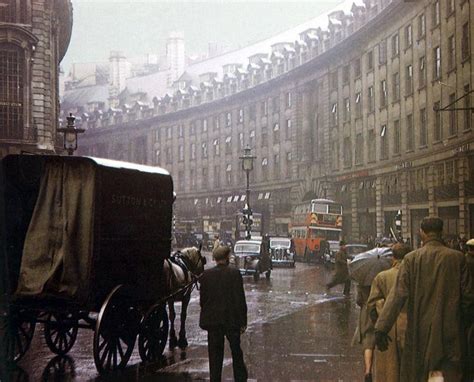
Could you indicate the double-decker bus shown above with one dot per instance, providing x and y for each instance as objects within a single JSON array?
[{"x": 316, "y": 228}]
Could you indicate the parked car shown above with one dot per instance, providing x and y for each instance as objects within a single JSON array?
[
  {"x": 251, "y": 258},
  {"x": 281, "y": 251},
  {"x": 352, "y": 250}
]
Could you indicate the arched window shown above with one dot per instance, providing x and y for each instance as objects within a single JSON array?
[
  {"x": 14, "y": 11},
  {"x": 11, "y": 91}
]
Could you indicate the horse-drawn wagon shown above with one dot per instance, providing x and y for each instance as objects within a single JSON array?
[{"x": 83, "y": 245}]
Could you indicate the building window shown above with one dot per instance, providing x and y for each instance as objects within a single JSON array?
[
  {"x": 169, "y": 156},
  {"x": 409, "y": 80},
  {"x": 465, "y": 48},
  {"x": 451, "y": 52},
  {"x": 228, "y": 174},
  {"x": 345, "y": 74},
  {"x": 193, "y": 151},
  {"x": 436, "y": 63},
  {"x": 252, "y": 138},
  {"x": 358, "y": 105},
  {"x": 229, "y": 119},
  {"x": 436, "y": 13},
  {"x": 383, "y": 142},
  {"x": 347, "y": 152},
  {"x": 370, "y": 60},
  {"x": 204, "y": 178},
  {"x": 359, "y": 149},
  {"x": 217, "y": 123},
  {"x": 422, "y": 72},
  {"x": 396, "y": 137},
  {"x": 334, "y": 119},
  {"x": 264, "y": 168},
  {"x": 252, "y": 113},
  {"x": 288, "y": 129},
  {"x": 288, "y": 165},
  {"x": 217, "y": 176},
  {"x": 371, "y": 99},
  {"x": 216, "y": 147},
  {"x": 241, "y": 141},
  {"x": 288, "y": 100},
  {"x": 383, "y": 52},
  {"x": 276, "y": 133},
  {"x": 410, "y": 133},
  {"x": 276, "y": 166},
  {"x": 395, "y": 45},
  {"x": 383, "y": 93},
  {"x": 11, "y": 92},
  {"x": 264, "y": 138},
  {"x": 181, "y": 153},
  {"x": 180, "y": 131},
  {"x": 357, "y": 71},
  {"x": 204, "y": 125},
  {"x": 467, "y": 108},
  {"x": 347, "y": 109},
  {"x": 421, "y": 26},
  {"x": 452, "y": 115},
  {"x": 408, "y": 36},
  {"x": 396, "y": 86},
  {"x": 423, "y": 128},
  {"x": 438, "y": 127},
  {"x": 204, "y": 150},
  {"x": 228, "y": 145},
  {"x": 241, "y": 115},
  {"x": 264, "y": 108}
]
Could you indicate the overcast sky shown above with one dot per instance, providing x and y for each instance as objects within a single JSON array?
[{"x": 141, "y": 26}]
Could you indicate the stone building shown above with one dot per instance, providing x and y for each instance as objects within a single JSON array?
[
  {"x": 34, "y": 36},
  {"x": 370, "y": 106}
]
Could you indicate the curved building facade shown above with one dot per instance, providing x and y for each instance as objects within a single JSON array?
[
  {"x": 34, "y": 36},
  {"x": 373, "y": 110}
]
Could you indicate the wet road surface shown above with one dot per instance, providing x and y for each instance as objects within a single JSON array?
[{"x": 294, "y": 333}]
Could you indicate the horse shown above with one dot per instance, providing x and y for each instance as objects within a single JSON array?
[{"x": 181, "y": 270}]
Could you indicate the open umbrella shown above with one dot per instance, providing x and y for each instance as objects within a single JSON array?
[{"x": 365, "y": 266}]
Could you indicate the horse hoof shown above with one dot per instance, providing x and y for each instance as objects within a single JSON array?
[{"x": 183, "y": 343}]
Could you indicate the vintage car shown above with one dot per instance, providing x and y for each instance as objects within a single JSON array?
[
  {"x": 281, "y": 251},
  {"x": 351, "y": 249},
  {"x": 251, "y": 258}
]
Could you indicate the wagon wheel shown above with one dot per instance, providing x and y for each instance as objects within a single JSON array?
[
  {"x": 153, "y": 334},
  {"x": 60, "y": 332},
  {"x": 116, "y": 331},
  {"x": 16, "y": 332}
]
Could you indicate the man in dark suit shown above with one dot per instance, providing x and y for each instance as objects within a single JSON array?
[{"x": 223, "y": 314}]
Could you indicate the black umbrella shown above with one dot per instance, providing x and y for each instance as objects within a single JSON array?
[{"x": 365, "y": 266}]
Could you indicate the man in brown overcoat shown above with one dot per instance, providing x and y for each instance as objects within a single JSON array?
[{"x": 435, "y": 283}]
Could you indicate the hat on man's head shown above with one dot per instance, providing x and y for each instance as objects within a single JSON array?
[
  {"x": 470, "y": 243},
  {"x": 221, "y": 252}
]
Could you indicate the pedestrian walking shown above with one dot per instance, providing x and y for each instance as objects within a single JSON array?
[
  {"x": 386, "y": 365},
  {"x": 435, "y": 284},
  {"x": 217, "y": 243},
  {"x": 223, "y": 314},
  {"x": 341, "y": 272}
]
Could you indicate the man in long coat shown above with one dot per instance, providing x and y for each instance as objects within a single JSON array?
[
  {"x": 435, "y": 283},
  {"x": 223, "y": 314},
  {"x": 387, "y": 364},
  {"x": 341, "y": 271}
]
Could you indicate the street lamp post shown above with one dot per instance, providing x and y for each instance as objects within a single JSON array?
[
  {"x": 70, "y": 134},
  {"x": 247, "y": 166}
]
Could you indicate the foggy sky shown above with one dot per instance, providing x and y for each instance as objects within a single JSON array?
[{"x": 138, "y": 27}]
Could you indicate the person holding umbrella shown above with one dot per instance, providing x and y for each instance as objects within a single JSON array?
[
  {"x": 435, "y": 283},
  {"x": 341, "y": 272},
  {"x": 363, "y": 269}
]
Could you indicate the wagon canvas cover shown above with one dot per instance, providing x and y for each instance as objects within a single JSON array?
[{"x": 95, "y": 224}]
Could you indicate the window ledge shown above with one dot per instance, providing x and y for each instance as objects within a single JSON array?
[
  {"x": 422, "y": 147},
  {"x": 410, "y": 151}
]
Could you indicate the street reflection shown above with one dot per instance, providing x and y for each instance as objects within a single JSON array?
[{"x": 59, "y": 369}]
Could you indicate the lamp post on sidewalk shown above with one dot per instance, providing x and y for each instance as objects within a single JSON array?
[
  {"x": 247, "y": 166},
  {"x": 70, "y": 134}
]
